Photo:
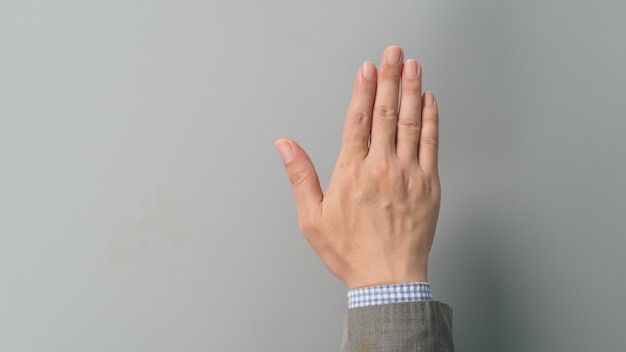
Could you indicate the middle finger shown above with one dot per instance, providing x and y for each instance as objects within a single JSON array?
[{"x": 385, "y": 113}]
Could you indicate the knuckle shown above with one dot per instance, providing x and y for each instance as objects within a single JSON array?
[
  {"x": 429, "y": 142},
  {"x": 382, "y": 168},
  {"x": 359, "y": 118},
  {"x": 409, "y": 125},
  {"x": 366, "y": 89},
  {"x": 386, "y": 112},
  {"x": 391, "y": 74},
  {"x": 349, "y": 167},
  {"x": 306, "y": 226},
  {"x": 431, "y": 118},
  {"x": 298, "y": 177},
  {"x": 412, "y": 88},
  {"x": 425, "y": 191}
]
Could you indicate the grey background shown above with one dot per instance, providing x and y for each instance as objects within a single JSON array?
[{"x": 143, "y": 206}]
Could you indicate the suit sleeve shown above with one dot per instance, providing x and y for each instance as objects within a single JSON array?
[{"x": 399, "y": 327}]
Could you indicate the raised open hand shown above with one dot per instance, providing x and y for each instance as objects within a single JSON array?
[{"x": 376, "y": 222}]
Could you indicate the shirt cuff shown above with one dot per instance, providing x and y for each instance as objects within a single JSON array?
[{"x": 397, "y": 293}]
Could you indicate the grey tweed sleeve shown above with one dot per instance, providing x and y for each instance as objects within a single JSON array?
[{"x": 399, "y": 327}]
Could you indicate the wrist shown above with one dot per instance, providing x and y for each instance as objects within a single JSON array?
[{"x": 376, "y": 277}]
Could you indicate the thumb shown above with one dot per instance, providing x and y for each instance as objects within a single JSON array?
[{"x": 302, "y": 176}]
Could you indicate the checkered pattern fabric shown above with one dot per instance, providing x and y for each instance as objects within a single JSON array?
[{"x": 369, "y": 296}]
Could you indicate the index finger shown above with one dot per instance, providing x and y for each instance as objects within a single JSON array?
[{"x": 357, "y": 128}]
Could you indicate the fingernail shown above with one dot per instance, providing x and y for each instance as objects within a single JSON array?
[
  {"x": 393, "y": 55},
  {"x": 429, "y": 99},
  {"x": 284, "y": 150},
  {"x": 369, "y": 70},
  {"x": 410, "y": 69}
]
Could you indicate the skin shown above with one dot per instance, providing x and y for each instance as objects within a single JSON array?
[{"x": 376, "y": 222}]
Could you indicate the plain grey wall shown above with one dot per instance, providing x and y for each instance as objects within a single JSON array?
[{"x": 143, "y": 207}]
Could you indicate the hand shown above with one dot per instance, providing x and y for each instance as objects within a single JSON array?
[{"x": 376, "y": 223}]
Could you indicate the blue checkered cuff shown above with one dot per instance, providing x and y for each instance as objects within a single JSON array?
[{"x": 369, "y": 296}]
